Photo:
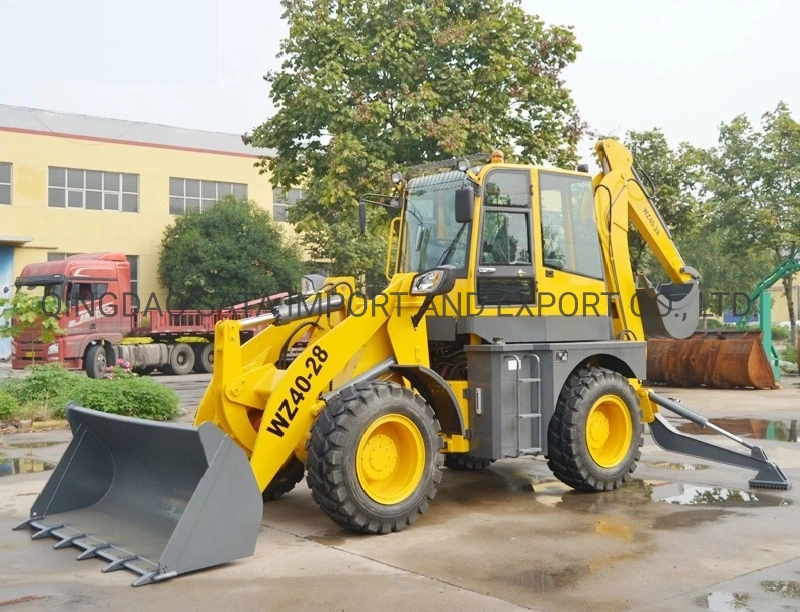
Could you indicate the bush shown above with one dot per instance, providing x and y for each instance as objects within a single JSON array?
[
  {"x": 789, "y": 354},
  {"x": 48, "y": 388},
  {"x": 780, "y": 333},
  {"x": 8, "y": 404},
  {"x": 137, "y": 397}
]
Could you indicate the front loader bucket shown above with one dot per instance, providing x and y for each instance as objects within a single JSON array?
[
  {"x": 721, "y": 359},
  {"x": 159, "y": 499},
  {"x": 670, "y": 310}
]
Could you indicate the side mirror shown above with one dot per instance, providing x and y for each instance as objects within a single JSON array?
[
  {"x": 362, "y": 217},
  {"x": 436, "y": 281},
  {"x": 465, "y": 200}
]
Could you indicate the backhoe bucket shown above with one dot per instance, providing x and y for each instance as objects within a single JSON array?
[
  {"x": 721, "y": 359},
  {"x": 159, "y": 499},
  {"x": 670, "y": 310}
]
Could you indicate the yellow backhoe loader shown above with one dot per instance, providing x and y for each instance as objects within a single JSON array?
[{"x": 512, "y": 325}]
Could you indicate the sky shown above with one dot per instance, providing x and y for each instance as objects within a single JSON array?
[{"x": 683, "y": 66}]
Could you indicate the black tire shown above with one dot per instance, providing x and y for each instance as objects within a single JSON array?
[
  {"x": 341, "y": 432},
  {"x": 570, "y": 457},
  {"x": 464, "y": 462},
  {"x": 181, "y": 360},
  {"x": 285, "y": 480},
  {"x": 145, "y": 371},
  {"x": 204, "y": 358},
  {"x": 96, "y": 361}
]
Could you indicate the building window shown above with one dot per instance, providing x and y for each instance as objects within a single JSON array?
[
  {"x": 194, "y": 194},
  {"x": 133, "y": 260},
  {"x": 282, "y": 200},
  {"x": 5, "y": 183},
  {"x": 93, "y": 190}
]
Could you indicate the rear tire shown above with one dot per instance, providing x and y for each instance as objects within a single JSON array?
[
  {"x": 464, "y": 462},
  {"x": 96, "y": 361},
  {"x": 285, "y": 480},
  {"x": 181, "y": 360},
  {"x": 204, "y": 358},
  {"x": 374, "y": 458},
  {"x": 595, "y": 436}
]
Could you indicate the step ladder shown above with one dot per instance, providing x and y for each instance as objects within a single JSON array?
[{"x": 535, "y": 413}]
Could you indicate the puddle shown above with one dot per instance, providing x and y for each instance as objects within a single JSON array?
[
  {"x": 688, "y": 518},
  {"x": 700, "y": 495},
  {"x": 687, "y": 467},
  {"x": 34, "y": 444},
  {"x": 760, "y": 429},
  {"x": 327, "y": 540},
  {"x": 11, "y": 467},
  {"x": 720, "y": 601},
  {"x": 539, "y": 581},
  {"x": 784, "y": 588}
]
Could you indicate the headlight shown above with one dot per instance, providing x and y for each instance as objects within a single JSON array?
[
  {"x": 52, "y": 349},
  {"x": 434, "y": 282}
]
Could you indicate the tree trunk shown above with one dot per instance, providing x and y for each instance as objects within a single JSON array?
[{"x": 788, "y": 288}]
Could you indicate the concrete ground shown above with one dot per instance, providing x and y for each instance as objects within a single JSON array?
[{"x": 685, "y": 534}]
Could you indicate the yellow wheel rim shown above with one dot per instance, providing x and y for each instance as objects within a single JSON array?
[
  {"x": 609, "y": 431},
  {"x": 390, "y": 459}
]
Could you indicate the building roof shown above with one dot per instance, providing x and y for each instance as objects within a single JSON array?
[{"x": 37, "y": 121}]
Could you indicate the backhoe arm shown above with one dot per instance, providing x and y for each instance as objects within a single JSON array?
[{"x": 671, "y": 310}]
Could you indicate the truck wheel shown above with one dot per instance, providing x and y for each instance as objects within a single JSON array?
[
  {"x": 285, "y": 480},
  {"x": 204, "y": 358},
  {"x": 464, "y": 462},
  {"x": 595, "y": 436},
  {"x": 373, "y": 457},
  {"x": 96, "y": 361},
  {"x": 181, "y": 360}
]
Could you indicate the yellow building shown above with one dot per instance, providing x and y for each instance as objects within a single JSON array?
[{"x": 80, "y": 184}]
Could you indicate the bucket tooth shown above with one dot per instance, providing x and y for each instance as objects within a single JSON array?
[
  {"x": 92, "y": 551},
  {"x": 158, "y": 499}
]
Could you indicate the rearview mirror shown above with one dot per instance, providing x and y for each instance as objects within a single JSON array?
[{"x": 465, "y": 199}]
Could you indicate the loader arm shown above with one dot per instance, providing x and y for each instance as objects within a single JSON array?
[{"x": 670, "y": 310}]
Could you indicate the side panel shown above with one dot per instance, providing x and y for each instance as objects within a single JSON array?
[{"x": 513, "y": 389}]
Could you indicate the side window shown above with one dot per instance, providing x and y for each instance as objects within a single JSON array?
[
  {"x": 569, "y": 231},
  {"x": 99, "y": 289}
]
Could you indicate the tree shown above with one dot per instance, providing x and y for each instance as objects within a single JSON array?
[
  {"x": 754, "y": 186},
  {"x": 24, "y": 313},
  {"x": 227, "y": 254},
  {"x": 369, "y": 86}
]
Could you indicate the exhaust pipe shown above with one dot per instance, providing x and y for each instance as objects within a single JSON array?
[{"x": 159, "y": 499}]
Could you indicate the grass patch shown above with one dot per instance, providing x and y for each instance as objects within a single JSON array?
[{"x": 45, "y": 391}]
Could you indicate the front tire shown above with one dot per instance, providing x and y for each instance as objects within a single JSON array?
[
  {"x": 374, "y": 458},
  {"x": 595, "y": 436},
  {"x": 96, "y": 361},
  {"x": 285, "y": 480}
]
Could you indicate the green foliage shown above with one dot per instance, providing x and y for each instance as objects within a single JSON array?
[
  {"x": 780, "y": 333},
  {"x": 227, "y": 254},
  {"x": 128, "y": 396},
  {"x": 367, "y": 87},
  {"x": 754, "y": 189},
  {"x": 789, "y": 353},
  {"x": 8, "y": 403},
  {"x": 48, "y": 388},
  {"x": 24, "y": 313}
]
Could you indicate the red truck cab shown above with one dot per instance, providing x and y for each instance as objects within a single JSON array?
[{"x": 96, "y": 303}]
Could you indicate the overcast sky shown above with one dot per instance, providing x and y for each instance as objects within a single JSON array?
[{"x": 684, "y": 66}]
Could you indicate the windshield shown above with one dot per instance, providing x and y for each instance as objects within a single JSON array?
[
  {"x": 432, "y": 236},
  {"x": 39, "y": 290}
]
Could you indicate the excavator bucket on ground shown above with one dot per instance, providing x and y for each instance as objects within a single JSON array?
[
  {"x": 721, "y": 359},
  {"x": 155, "y": 498}
]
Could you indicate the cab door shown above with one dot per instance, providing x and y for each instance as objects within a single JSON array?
[{"x": 505, "y": 273}]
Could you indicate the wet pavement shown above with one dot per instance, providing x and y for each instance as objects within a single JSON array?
[{"x": 684, "y": 534}]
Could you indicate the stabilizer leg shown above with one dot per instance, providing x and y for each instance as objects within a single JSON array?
[{"x": 667, "y": 437}]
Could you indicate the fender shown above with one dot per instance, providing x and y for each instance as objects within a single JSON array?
[{"x": 438, "y": 394}]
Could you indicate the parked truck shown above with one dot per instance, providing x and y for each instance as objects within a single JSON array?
[{"x": 104, "y": 320}]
